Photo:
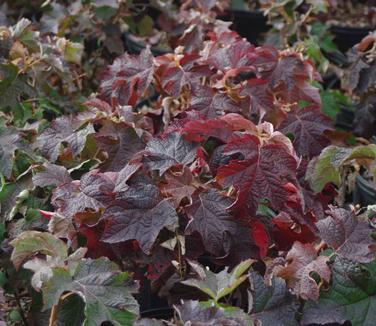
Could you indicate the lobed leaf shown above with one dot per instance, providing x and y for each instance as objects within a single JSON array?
[
  {"x": 302, "y": 262},
  {"x": 106, "y": 291},
  {"x": 66, "y": 132},
  {"x": 307, "y": 125},
  {"x": 348, "y": 236},
  {"x": 219, "y": 285},
  {"x": 162, "y": 154},
  {"x": 352, "y": 297},
  {"x": 127, "y": 79},
  {"x": 209, "y": 216},
  {"x": 272, "y": 304},
  {"x": 327, "y": 167},
  {"x": 29, "y": 243}
]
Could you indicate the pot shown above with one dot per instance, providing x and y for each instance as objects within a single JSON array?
[
  {"x": 249, "y": 24},
  {"x": 364, "y": 192},
  {"x": 158, "y": 313},
  {"x": 346, "y": 37},
  {"x": 345, "y": 118},
  {"x": 331, "y": 81},
  {"x": 151, "y": 305}
]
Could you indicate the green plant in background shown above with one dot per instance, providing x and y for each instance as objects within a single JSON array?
[{"x": 295, "y": 25}]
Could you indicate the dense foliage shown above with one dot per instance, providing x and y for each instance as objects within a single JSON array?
[{"x": 207, "y": 176}]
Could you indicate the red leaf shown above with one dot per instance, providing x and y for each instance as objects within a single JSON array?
[
  {"x": 127, "y": 79},
  {"x": 200, "y": 130},
  {"x": 162, "y": 154},
  {"x": 210, "y": 218},
  {"x": 290, "y": 80},
  {"x": 302, "y": 262},
  {"x": 120, "y": 143},
  {"x": 179, "y": 186},
  {"x": 221, "y": 128},
  {"x": 261, "y": 97},
  {"x": 260, "y": 237},
  {"x": 175, "y": 72},
  {"x": 286, "y": 231},
  {"x": 307, "y": 125},
  {"x": 141, "y": 221},
  {"x": 262, "y": 173},
  {"x": 212, "y": 104},
  {"x": 350, "y": 237}
]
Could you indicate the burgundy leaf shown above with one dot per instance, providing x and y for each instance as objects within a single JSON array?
[
  {"x": 174, "y": 73},
  {"x": 162, "y": 154},
  {"x": 94, "y": 191},
  {"x": 69, "y": 199},
  {"x": 64, "y": 131},
  {"x": 179, "y": 186},
  {"x": 201, "y": 130},
  {"x": 236, "y": 55},
  {"x": 240, "y": 246},
  {"x": 307, "y": 125},
  {"x": 141, "y": 224},
  {"x": 348, "y": 236},
  {"x": 209, "y": 217},
  {"x": 261, "y": 97},
  {"x": 302, "y": 262},
  {"x": 212, "y": 104},
  {"x": 127, "y": 79},
  {"x": 221, "y": 128},
  {"x": 286, "y": 231},
  {"x": 290, "y": 80},
  {"x": 261, "y": 175},
  {"x": 120, "y": 142},
  {"x": 51, "y": 175}
]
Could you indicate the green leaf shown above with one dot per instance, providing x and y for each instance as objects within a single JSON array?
[
  {"x": 72, "y": 52},
  {"x": 207, "y": 313},
  {"x": 106, "y": 291},
  {"x": 327, "y": 167},
  {"x": 318, "y": 5},
  {"x": 30, "y": 243},
  {"x": 352, "y": 297},
  {"x": 332, "y": 100},
  {"x": 238, "y": 5},
  {"x": 9, "y": 194},
  {"x": 219, "y": 285},
  {"x": 71, "y": 311}
]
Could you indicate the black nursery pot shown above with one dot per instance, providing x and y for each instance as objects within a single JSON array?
[
  {"x": 151, "y": 305},
  {"x": 346, "y": 37},
  {"x": 249, "y": 24},
  {"x": 345, "y": 118},
  {"x": 364, "y": 192}
]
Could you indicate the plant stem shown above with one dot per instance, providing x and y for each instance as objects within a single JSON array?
[{"x": 22, "y": 313}]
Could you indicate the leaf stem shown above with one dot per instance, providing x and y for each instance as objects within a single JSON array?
[
  {"x": 53, "y": 315},
  {"x": 55, "y": 309},
  {"x": 320, "y": 246}
]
